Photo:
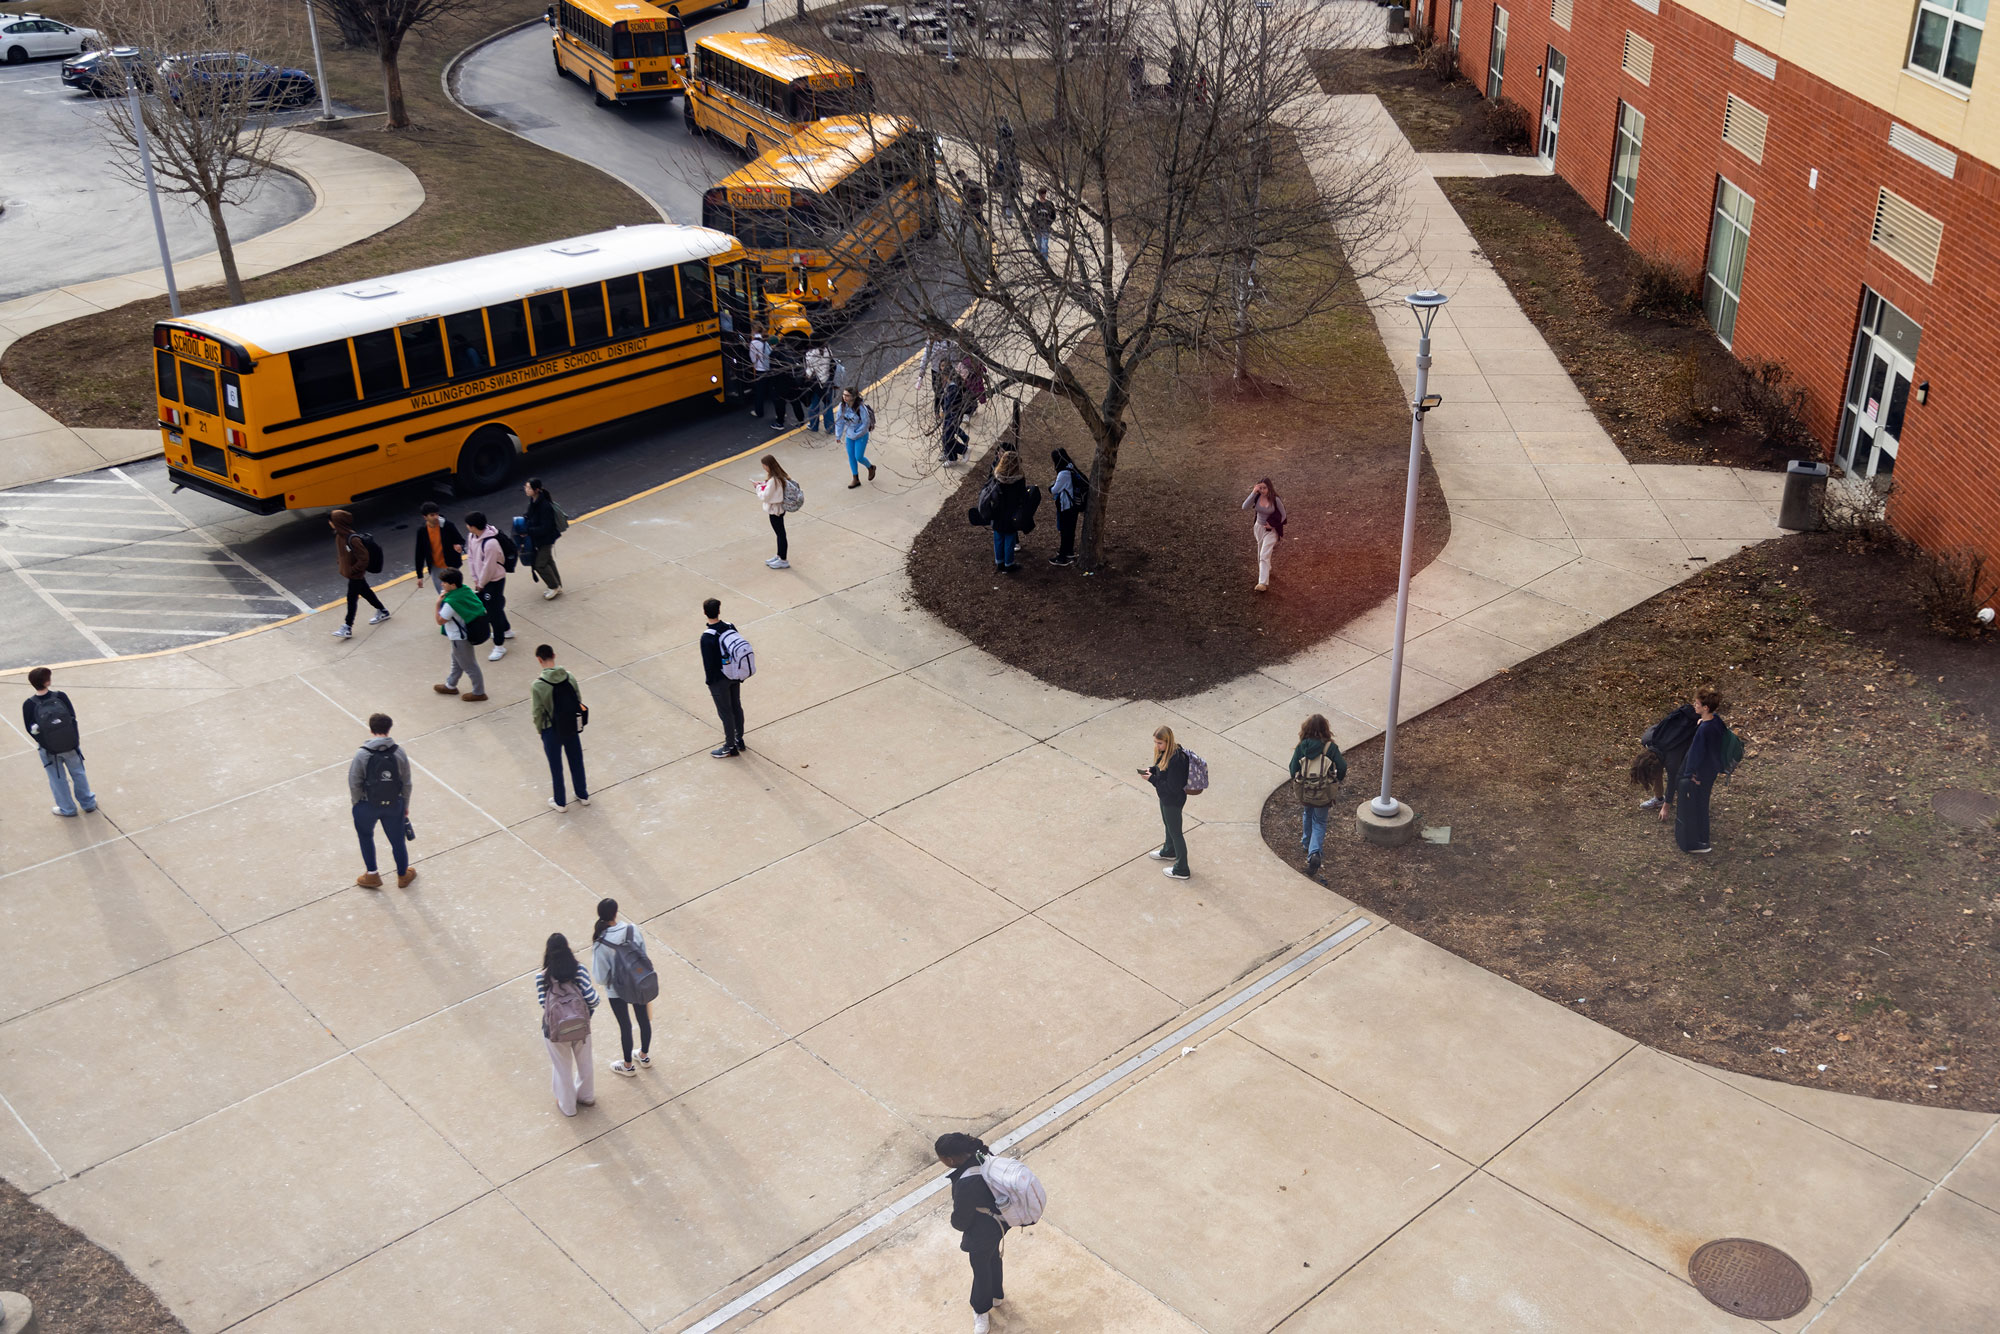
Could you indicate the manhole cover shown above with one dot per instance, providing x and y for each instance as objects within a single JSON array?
[
  {"x": 1750, "y": 1279},
  {"x": 1964, "y": 806}
]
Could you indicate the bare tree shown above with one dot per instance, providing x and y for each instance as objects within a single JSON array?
[
  {"x": 202, "y": 105},
  {"x": 384, "y": 24},
  {"x": 1174, "y": 138}
]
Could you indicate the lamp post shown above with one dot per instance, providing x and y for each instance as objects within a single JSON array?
[
  {"x": 1386, "y": 820},
  {"x": 319, "y": 66},
  {"x": 152, "y": 190}
]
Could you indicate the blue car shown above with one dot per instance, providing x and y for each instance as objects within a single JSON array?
[
  {"x": 231, "y": 74},
  {"x": 104, "y": 72}
]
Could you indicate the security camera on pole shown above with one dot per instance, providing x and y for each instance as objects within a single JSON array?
[{"x": 1386, "y": 821}]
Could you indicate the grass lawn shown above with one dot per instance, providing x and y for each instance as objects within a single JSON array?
[
  {"x": 485, "y": 190},
  {"x": 1844, "y": 933}
]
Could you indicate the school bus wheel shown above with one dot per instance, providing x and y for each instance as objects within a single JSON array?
[
  {"x": 487, "y": 459},
  {"x": 749, "y": 145}
]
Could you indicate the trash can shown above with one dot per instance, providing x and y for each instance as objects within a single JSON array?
[
  {"x": 1805, "y": 494},
  {"x": 1399, "y": 19}
]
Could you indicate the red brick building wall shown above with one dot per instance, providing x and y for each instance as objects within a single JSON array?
[{"x": 1809, "y": 251}]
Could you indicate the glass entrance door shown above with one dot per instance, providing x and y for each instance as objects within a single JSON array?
[
  {"x": 1878, "y": 389},
  {"x": 1496, "y": 56},
  {"x": 1552, "y": 106}
]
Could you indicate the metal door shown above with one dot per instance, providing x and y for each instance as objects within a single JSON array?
[
  {"x": 1878, "y": 389},
  {"x": 1552, "y": 106}
]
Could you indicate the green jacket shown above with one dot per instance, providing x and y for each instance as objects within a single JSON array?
[
  {"x": 466, "y": 603},
  {"x": 542, "y": 695},
  {"x": 1305, "y": 750}
]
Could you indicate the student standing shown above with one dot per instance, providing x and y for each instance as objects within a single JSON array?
[
  {"x": 544, "y": 523},
  {"x": 567, "y": 1000},
  {"x": 939, "y": 354},
  {"x": 351, "y": 554},
  {"x": 613, "y": 931},
  {"x": 378, "y": 783},
  {"x": 760, "y": 369},
  {"x": 952, "y": 406},
  {"x": 853, "y": 422},
  {"x": 788, "y": 382},
  {"x": 822, "y": 387},
  {"x": 1266, "y": 528},
  {"x": 1042, "y": 219},
  {"x": 975, "y": 1215},
  {"x": 457, "y": 608},
  {"x": 1169, "y": 775},
  {"x": 555, "y": 703},
  {"x": 50, "y": 719},
  {"x": 1071, "y": 490},
  {"x": 439, "y": 546},
  {"x": 771, "y": 495},
  {"x": 1698, "y": 773},
  {"x": 1006, "y": 508},
  {"x": 486, "y": 567},
  {"x": 1316, "y": 766},
  {"x": 727, "y": 694}
]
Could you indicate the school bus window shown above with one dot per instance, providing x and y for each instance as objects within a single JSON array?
[
  {"x": 465, "y": 336},
  {"x": 232, "y": 396},
  {"x": 423, "y": 353},
  {"x": 198, "y": 388},
  {"x": 381, "y": 373},
  {"x": 696, "y": 299},
  {"x": 323, "y": 375},
  {"x": 551, "y": 325},
  {"x": 509, "y": 324},
  {"x": 627, "y": 318},
  {"x": 167, "y": 369},
  {"x": 586, "y": 313},
  {"x": 629, "y": 45},
  {"x": 663, "y": 308}
]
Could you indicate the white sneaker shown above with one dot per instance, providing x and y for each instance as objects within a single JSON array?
[
  {"x": 499, "y": 652},
  {"x": 1171, "y": 874},
  {"x": 1159, "y": 856},
  {"x": 778, "y": 564},
  {"x": 508, "y": 635},
  {"x": 979, "y": 1324},
  {"x": 552, "y": 595},
  {"x": 378, "y": 617},
  {"x": 344, "y": 632},
  {"x": 1649, "y": 803},
  {"x": 583, "y": 801},
  {"x": 555, "y": 805}
]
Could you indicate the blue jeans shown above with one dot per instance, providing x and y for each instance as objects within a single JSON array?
[
  {"x": 366, "y": 815},
  {"x": 555, "y": 746},
  {"x": 65, "y": 771},
  {"x": 1042, "y": 244},
  {"x": 857, "y": 453},
  {"x": 1312, "y": 833},
  {"x": 1003, "y": 547},
  {"x": 819, "y": 408}
]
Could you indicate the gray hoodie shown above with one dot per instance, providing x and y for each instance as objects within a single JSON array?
[
  {"x": 601, "y": 956},
  {"x": 357, "y": 768}
]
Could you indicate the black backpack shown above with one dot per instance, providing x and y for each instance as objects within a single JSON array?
[
  {"x": 55, "y": 726},
  {"x": 479, "y": 629},
  {"x": 510, "y": 555},
  {"x": 566, "y": 713},
  {"x": 374, "y": 552},
  {"x": 382, "y": 783},
  {"x": 1079, "y": 490}
]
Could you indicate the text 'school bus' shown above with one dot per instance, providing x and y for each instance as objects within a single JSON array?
[
  {"x": 624, "y": 50},
  {"x": 325, "y": 397},
  {"x": 824, "y": 212},
  {"x": 757, "y": 90}
]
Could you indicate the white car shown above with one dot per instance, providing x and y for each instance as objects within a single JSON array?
[{"x": 24, "y": 37}]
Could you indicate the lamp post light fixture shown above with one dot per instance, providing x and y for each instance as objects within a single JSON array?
[
  {"x": 1384, "y": 819},
  {"x": 319, "y": 66}
]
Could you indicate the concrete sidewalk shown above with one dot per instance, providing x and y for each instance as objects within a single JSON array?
[{"x": 356, "y": 193}]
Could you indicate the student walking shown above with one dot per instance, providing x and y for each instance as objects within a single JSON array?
[
  {"x": 486, "y": 568},
  {"x": 853, "y": 422},
  {"x": 459, "y": 613},
  {"x": 567, "y": 1001},
  {"x": 612, "y": 934},
  {"x": 939, "y": 353},
  {"x": 350, "y": 552},
  {"x": 1071, "y": 491},
  {"x": 760, "y": 369},
  {"x": 555, "y": 704},
  {"x": 440, "y": 546},
  {"x": 952, "y": 408},
  {"x": 726, "y": 691},
  {"x": 823, "y": 377},
  {"x": 544, "y": 523},
  {"x": 1042, "y": 220},
  {"x": 1704, "y": 761},
  {"x": 378, "y": 783},
  {"x": 975, "y": 1215},
  {"x": 1169, "y": 776},
  {"x": 1266, "y": 528},
  {"x": 50, "y": 719},
  {"x": 1317, "y": 765},
  {"x": 771, "y": 495}
]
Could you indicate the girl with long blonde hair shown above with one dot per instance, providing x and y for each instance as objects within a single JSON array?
[{"x": 1169, "y": 776}]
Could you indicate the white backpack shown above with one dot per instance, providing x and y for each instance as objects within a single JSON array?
[
  {"x": 1018, "y": 1196},
  {"x": 739, "y": 660}
]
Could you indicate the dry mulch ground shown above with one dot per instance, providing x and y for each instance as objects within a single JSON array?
[
  {"x": 1436, "y": 116},
  {"x": 77, "y": 1287},
  {"x": 1843, "y": 934}
]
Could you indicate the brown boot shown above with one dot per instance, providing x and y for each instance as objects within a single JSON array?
[
  {"x": 473, "y": 699},
  {"x": 368, "y": 880},
  {"x": 856, "y": 482},
  {"x": 871, "y": 472},
  {"x": 404, "y": 878},
  {"x": 445, "y": 690}
]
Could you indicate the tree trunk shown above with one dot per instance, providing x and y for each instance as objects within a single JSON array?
[
  {"x": 1103, "y": 467},
  {"x": 392, "y": 86},
  {"x": 230, "y": 278}
]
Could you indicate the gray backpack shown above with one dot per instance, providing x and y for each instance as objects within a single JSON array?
[
  {"x": 565, "y": 1013},
  {"x": 632, "y": 975}
]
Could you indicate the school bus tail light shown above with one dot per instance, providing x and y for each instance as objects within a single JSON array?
[{"x": 235, "y": 437}]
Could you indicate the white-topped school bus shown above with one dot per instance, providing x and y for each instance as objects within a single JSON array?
[{"x": 325, "y": 397}]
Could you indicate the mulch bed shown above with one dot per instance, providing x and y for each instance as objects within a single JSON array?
[
  {"x": 1843, "y": 934},
  {"x": 1436, "y": 116},
  {"x": 77, "y": 1287}
]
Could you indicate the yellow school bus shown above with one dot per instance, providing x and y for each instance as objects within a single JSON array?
[
  {"x": 758, "y": 91},
  {"x": 624, "y": 51},
  {"x": 326, "y": 397},
  {"x": 823, "y": 212}
]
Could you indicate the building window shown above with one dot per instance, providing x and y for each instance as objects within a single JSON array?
[
  {"x": 1496, "y": 58},
  {"x": 1728, "y": 242},
  {"x": 1947, "y": 39},
  {"x": 1624, "y": 170}
]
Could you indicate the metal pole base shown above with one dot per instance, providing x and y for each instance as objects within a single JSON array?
[{"x": 1385, "y": 831}]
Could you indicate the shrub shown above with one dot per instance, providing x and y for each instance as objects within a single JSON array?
[
  {"x": 1509, "y": 126},
  {"x": 1768, "y": 403},
  {"x": 1953, "y": 587},
  {"x": 1696, "y": 397},
  {"x": 1663, "y": 289},
  {"x": 1858, "y": 510}
]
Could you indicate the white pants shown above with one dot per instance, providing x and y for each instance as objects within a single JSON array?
[
  {"x": 572, "y": 1073},
  {"x": 1267, "y": 542}
]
